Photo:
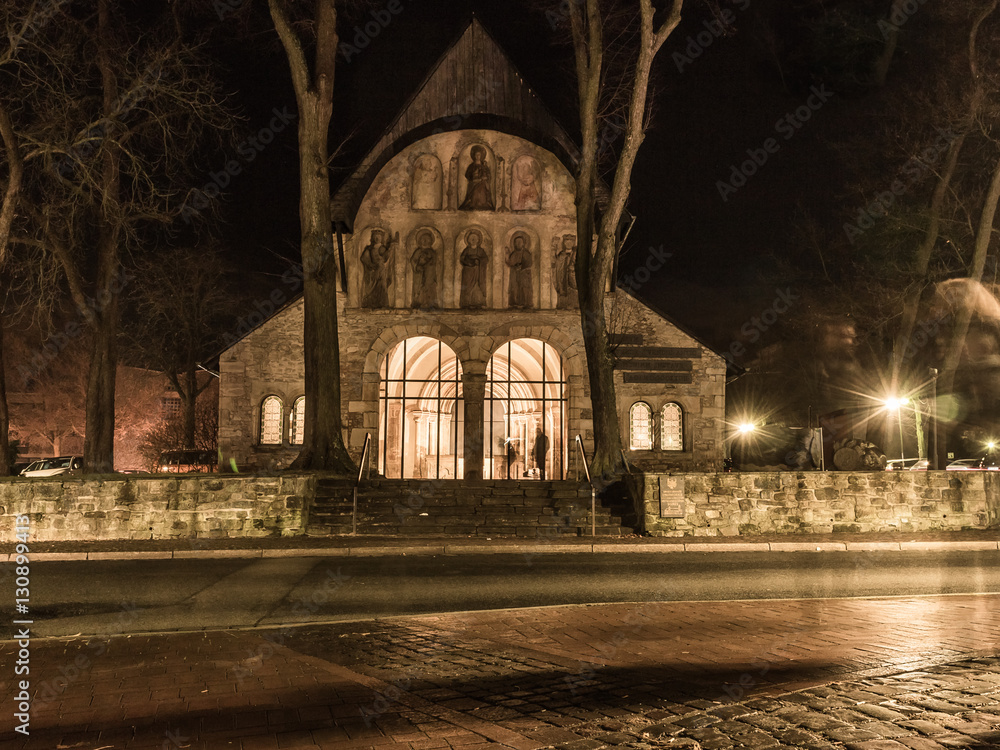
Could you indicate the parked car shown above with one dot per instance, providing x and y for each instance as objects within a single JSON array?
[
  {"x": 984, "y": 463},
  {"x": 188, "y": 461},
  {"x": 51, "y": 467},
  {"x": 907, "y": 464}
]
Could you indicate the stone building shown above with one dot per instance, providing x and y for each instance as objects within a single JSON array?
[{"x": 461, "y": 342}]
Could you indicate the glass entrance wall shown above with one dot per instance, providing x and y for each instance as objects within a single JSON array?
[
  {"x": 421, "y": 412},
  {"x": 524, "y": 422}
]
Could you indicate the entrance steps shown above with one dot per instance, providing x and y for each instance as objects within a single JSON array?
[{"x": 493, "y": 508}]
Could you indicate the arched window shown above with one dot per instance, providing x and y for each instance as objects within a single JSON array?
[
  {"x": 270, "y": 421},
  {"x": 640, "y": 427},
  {"x": 672, "y": 427},
  {"x": 524, "y": 427},
  {"x": 297, "y": 422},
  {"x": 421, "y": 411}
]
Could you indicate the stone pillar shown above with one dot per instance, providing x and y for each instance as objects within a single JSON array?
[{"x": 474, "y": 387}]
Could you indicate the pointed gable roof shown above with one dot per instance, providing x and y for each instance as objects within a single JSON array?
[{"x": 473, "y": 85}]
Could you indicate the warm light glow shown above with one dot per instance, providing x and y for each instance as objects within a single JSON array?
[
  {"x": 747, "y": 427},
  {"x": 894, "y": 403},
  {"x": 991, "y": 445}
]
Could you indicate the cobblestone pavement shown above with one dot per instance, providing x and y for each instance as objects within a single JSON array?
[{"x": 872, "y": 674}]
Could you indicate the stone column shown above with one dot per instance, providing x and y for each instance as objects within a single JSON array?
[{"x": 474, "y": 387}]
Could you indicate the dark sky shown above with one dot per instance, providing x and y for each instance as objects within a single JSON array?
[{"x": 725, "y": 101}]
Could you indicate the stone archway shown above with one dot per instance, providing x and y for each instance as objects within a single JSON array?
[
  {"x": 421, "y": 411},
  {"x": 525, "y": 412}
]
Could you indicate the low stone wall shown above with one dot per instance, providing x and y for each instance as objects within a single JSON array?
[
  {"x": 182, "y": 507},
  {"x": 745, "y": 504}
]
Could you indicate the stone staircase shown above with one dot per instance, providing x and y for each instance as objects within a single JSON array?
[{"x": 413, "y": 507}]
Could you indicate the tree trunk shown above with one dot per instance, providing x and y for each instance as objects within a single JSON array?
[
  {"x": 189, "y": 402},
  {"x": 99, "y": 441},
  {"x": 5, "y": 464},
  {"x": 595, "y": 263},
  {"x": 324, "y": 436},
  {"x": 13, "y": 189}
]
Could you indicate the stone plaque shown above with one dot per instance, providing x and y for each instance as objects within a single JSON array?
[
  {"x": 672, "y": 503},
  {"x": 657, "y": 377}
]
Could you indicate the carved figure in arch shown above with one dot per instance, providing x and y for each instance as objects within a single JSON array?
[
  {"x": 526, "y": 195},
  {"x": 376, "y": 260},
  {"x": 518, "y": 259},
  {"x": 475, "y": 268},
  {"x": 564, "y": 270},
  {"x": 479, "y": 183},
  {"x": 425, "y": 271},
  {"x": 425, "y": 190}
]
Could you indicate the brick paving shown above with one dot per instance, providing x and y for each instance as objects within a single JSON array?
[{"x": 863, "y": 674}]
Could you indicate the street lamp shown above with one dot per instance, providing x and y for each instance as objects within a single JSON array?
[
  {"x": 747, "y": 427},
  {"x": 892, "y": 403}
]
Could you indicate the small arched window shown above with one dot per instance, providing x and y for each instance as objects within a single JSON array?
[
  {"x": 672, "y": 427},
  {"x": 297, "y": 425},
  {"x": 270, "y": 421},
  {"x": 640, "y": 427}
]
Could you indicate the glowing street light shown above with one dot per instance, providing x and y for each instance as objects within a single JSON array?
[
  {"x": 894, "y": 403},
  {"x": 747, "y": 427}
]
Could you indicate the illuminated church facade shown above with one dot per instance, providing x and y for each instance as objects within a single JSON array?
[{"x": 461, "y": 342}]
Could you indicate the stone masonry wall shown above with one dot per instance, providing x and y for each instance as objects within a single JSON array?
[
  {"x": 184, "y": 507},
  {"x": 703, "y": 400},
  {"x": 731, "y": 504},
  {"x": 420, "y": 190}
]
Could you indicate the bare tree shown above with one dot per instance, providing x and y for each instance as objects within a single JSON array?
[
  {"x": 17, "y": 28},
  {"x": 122, "y": 110},
  {"x": 596, "y": 260},
  {"x": 324, "y": 441},
  {"x": 181, "y": 304}
]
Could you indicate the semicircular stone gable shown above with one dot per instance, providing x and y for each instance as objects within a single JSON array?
[{"x": 515, "y": 197}]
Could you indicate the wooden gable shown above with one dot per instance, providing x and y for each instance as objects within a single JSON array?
[{"x": 475, "y": 80}]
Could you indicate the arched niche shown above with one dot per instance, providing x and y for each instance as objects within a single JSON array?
[
  {"x": 525, "y": 184},
  {"x": 427, "y": 183}
]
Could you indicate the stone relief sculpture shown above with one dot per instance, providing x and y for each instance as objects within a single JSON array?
[
  {"x": 564, "y": 270},
  {"x": 518, "y": 259},
  {"x": 479, "y": 183},
  {"x": 525, "y": 185},
  {"x": 425, "y": 189},
  {"x": 425, "y": 271},
  {"x": 475, "y": 267},
  {"x": 376, "y": 260}
]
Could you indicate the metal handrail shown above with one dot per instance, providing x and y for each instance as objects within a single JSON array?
[
  {"x": 364, "y": 455},
  {"x": 593, "y": 490},
  {"x": 361, "y": 471}
]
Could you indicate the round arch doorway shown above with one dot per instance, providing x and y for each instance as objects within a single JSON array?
[
  {"x": 524, "y": 416},
  {"x": 421, "y": 411}
]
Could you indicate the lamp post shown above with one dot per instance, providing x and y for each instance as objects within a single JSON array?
[
  {"x": 934, "y": 421},
  {"x": 895, "y": 404},
  {"x": 743, "y": 430}
]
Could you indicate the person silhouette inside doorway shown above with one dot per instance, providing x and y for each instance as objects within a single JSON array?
[{"x": 539, "y": 451}]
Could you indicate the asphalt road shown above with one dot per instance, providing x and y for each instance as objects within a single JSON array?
[{"x": 110, "y": 597}]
